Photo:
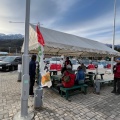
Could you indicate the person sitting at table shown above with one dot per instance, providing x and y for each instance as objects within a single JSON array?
[
  {"x": 83, "y": 67},
  {"x": 68, "y": 78},
  {"x": 80, "y": 76}
]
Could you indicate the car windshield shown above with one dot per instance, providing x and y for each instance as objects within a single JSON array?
[
  {"x": 2, "y": 57},
  {"x": 74, "y": 62},
  {"x": 9, "y": 59},
  {"x": 85, "y": 62},
  {"x": 95, "y": 63},
  {"x": 55, "y": 59},
  {"x": 108, "y": 62},
  {"x": 47, "y": 59},
  {"x": 103, "y": 62}
]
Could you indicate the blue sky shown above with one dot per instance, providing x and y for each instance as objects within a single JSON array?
[{"x": 91, "y": 19}]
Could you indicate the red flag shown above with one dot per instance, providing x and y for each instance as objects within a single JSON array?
[{"x": 40, "y": 37}]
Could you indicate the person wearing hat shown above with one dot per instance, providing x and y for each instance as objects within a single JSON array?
[{"x": 116, "y": 71}]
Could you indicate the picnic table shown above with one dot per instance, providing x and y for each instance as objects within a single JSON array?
[
  {"x": 91, "y": 75},
  {"x": 56, "y": 79},
  {"x": 89, "y": 78},
  {"x": 101, "y": 75},
  {"x": 53, "y": 71}
]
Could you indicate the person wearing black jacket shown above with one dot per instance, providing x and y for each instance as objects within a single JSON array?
[
  {"x": 67, "y": 62},
  {"x": 32, "y": 72}
]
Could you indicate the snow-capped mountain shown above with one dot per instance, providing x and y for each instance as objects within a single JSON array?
[{"x": 11, "y": 36}]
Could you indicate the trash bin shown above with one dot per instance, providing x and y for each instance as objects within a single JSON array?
[
  {"x": 38, "y": 95},
  {"x": 97, "y": 86},
  {"x": 19, "y": 72}
]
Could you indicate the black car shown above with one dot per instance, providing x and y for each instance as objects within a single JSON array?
[
  {"x": 10, "y": 63},
  {"x": 2, "y": 57}
]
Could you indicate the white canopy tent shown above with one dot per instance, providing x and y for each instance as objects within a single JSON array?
[{"x": 59, "y": 43}]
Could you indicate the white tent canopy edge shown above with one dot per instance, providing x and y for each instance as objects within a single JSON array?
[{"x": 58, "y": 43}]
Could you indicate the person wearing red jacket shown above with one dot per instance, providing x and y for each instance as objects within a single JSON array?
[
  {"x": 116, "y": 71},
  {"x": 68, "y": 78}
]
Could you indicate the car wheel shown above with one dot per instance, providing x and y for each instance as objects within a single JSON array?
[
  {"x": 4, "y": 69},
  {"x": 13, "y": 68},
  {"x": 9, "y": 69}
]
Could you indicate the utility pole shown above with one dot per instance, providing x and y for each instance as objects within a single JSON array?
[
  {"x": 9, "y": 49},
  {"x": 24, "y": 114},
  {"x": 113, "y": 34},
  {"x": 16, "y": 51}
]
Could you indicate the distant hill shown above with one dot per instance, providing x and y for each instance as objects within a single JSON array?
[
  {"x": 14, "y": 44},
  {"x": 116, "y": 47},
  {"x": 10, "y": 36},
  {"x": 15, "y": 41}
]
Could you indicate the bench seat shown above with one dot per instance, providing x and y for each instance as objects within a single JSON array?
[{"x": 83, "y": 87}]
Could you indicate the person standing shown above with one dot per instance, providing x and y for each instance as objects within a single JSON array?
[
  {"x": 116, "y": 71},
  {"x": 32, "y": 73},
  {"x": 67, "y": 62},
  {"x": 62, "y": 62}
]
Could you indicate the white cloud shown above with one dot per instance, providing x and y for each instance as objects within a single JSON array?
[
  {"x": 44, "y": 11},
  {"x": 100, "y": 29},
  {"x": 48, "y": 12}
]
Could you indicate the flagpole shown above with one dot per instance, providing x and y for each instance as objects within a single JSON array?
[{"x": 113, "y": 35}]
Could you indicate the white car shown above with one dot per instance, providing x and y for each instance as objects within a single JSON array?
[
  {"x": 55, "y": 60},
  {"x": 55, "y": 63},
  {"x": 75, "y": 64}
]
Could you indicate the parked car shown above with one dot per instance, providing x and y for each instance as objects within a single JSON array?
[
  {"x": 10, "y": 63},
  {"x": 95, "y": 64},
  {"x": 55, "y": 60},
  {"x": 55, "y": 64},
  {"x": 86, "y": 63},
  {"x": 75, "y": 64},
  {"x": 47, "y": 60},
  {"x": 2, "y": 57}
]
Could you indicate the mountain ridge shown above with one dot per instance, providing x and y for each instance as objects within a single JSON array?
[
  {"x": 10, "y": 36},
  {"x": 16, "y": 40}
]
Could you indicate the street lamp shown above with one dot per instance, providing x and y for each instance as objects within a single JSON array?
[
  {"x": 113, "y": 34},
  {"x": 9, "y": 49},
  {"x": 16, "y": 50},
  {"x": 17, "y": 22},
  {"x": 24, "y": 114}
]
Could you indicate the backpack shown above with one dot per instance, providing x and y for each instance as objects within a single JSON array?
[{"x": 66, "y": 78}]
